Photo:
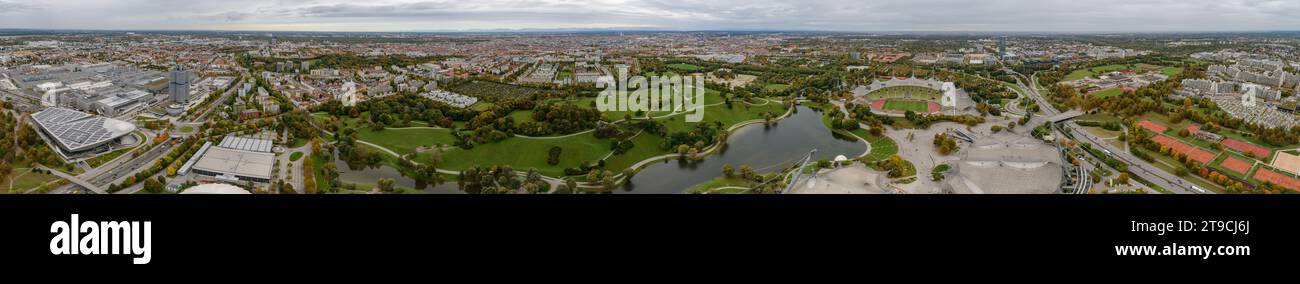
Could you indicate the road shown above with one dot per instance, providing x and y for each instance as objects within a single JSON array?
[
  {"x": 75, "y": 180},
  {"x": 1138, "y": 168},
  {"x": 211, "y": 107},
  {"x": 117, "y": 174}
]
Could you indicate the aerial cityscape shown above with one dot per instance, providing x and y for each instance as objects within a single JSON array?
[{"x": 553, "y": 97}]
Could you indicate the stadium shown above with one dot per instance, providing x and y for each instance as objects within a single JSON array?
[{"x": 900, "y": 95}]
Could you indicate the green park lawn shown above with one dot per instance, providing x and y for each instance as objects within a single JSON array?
[
  {"x": 318, "y": 165},
  {"x": 709, "y": 187},
  {"x": 24, "y": 179},
  {"x": 524, "y": 153},
  {"x": 105, "y": 158},
  {"x": 521, "y": 116},
  {"x": 482, "y": 106},
  {"x": 738, "y": 112},
  {"x": 1170, "y": 71},
  {"x": 405, "y": 140},
  {"x": 881, "y": 146},
  {"x": 295, "y": 156},
  {"x": 776, "y": 87},
  {"x": 710, "y": 97},
  {"x": 647, "y": 146},
  {"x": 1014, "y": 87},
  {"x": 685, "y": 67},
  {"x": 1108, "y": 93},
  {"x": 298, "y": 142}
]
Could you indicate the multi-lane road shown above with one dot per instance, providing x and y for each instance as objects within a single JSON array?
[{"x": 1136, "y": 166}]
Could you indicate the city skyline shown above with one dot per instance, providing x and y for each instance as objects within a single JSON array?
[{"x": 810, "y": 15}]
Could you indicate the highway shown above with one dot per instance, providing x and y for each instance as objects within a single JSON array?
[
  {"x": 74, "y": 180},
  {"x": 121, "y": 172},
  {"x": 1136, "y": 167}
]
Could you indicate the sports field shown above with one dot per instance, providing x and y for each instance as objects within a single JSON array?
[
  {"x": 1236, "y": 165},
  {"x": 904, "y": 92},
  {"x": 1268, "y": 175},
  {"x": 1153, "y": 126},
  {"x": 1244, "y": 147},
  {"x": 904, "y": 105},
  {"x": 1201, "y": 156},
  {"x": 1287, "y": 161}
]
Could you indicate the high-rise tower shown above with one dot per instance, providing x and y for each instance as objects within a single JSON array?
[
  {"x": 1002, "y": 47},
  {"x": 180, "y": 84}
]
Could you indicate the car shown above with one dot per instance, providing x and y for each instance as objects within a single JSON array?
[{"x": 1197, "y": 188}]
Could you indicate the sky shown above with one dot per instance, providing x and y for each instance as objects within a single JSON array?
[{"x": 814, "y": 15}]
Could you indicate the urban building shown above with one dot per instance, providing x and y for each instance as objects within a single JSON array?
[
  {"x": 235, "y": 159},
  {"x": 73, "y": 133},
  {"x": 180, "y": 84}
]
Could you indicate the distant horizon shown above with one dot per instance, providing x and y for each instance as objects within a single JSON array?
[
  {"x": 853, "y": 16},
  {"x": 615, "y": 30}
]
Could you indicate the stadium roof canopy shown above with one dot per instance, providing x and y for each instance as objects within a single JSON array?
[{"x": 76, "y": 131}]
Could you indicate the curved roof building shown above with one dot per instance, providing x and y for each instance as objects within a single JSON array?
[
  {"x": 1007, "y": 164},
  {"x": 215, "y": 188},
  {"x": 74, "y": 131}
]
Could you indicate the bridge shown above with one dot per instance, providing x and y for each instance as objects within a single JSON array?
[
  {"x": 1065, "y": 116},
  {"x": 798, "y": 172},
  {"x": 75, "y": 180}
]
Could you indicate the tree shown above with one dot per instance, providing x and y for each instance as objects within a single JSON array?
[
  {"x": 315, "y": 146},
  {"x": 608, "y": 183},
  {"x": 728, "y": 170},
  {"x": 570, "y": 183},
  {"x": 746, "y": 172},
  {"x": 309, "y": 178},
  {"x": 563, "y": 189},
  {"x": 385, "y": 185},
  {"x": 553, "y": 156},
  {"x": 152, "y": 185},
  {"x": 593, "y": 175}
]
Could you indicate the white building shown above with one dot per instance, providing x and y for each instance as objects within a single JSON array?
[{"x": 348, "y": 95}]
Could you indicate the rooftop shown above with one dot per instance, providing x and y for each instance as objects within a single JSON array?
[
  {"x": 985, "y": 166},
  {"x": 236, "y": 162},
  {"x": 77, "y": 131},
  {"x": 247, "y": 144}
]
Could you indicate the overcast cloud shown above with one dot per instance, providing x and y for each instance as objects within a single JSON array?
[{"x": 827, "y": 15}]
